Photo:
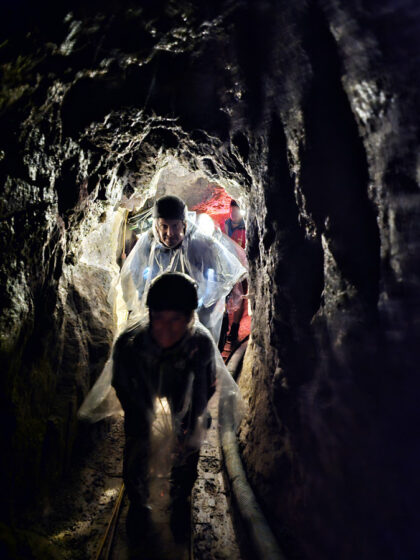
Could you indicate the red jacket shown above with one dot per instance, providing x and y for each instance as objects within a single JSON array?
[{"x": 237, "y": 233}]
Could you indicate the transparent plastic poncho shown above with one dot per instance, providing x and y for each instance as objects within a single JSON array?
[
  {"x": 215, "y": 269},
  {"x": 102, "y": 402},
  {"x": 165, "y": 422}
]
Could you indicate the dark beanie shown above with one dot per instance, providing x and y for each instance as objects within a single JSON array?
[
  {"x": 172, "y": 291},
  {"x": 170, "y": 207}
]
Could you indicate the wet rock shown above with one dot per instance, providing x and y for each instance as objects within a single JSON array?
[{"x": 306, "y": 111}]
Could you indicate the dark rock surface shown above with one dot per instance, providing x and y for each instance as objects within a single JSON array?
[{"x": 308, "y": 111}]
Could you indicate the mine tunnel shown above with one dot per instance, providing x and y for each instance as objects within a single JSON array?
[{"x": 306, "y": 113}]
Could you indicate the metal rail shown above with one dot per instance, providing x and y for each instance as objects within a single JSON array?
[{"x": 105, "y": 545}]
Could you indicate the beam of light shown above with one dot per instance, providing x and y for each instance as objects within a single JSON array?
[
  {"x": 84, "y": 527},
  {"x": 205, "y": 224}
]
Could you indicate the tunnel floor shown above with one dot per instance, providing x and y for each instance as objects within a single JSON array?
[{"x": 76, "y": 520}]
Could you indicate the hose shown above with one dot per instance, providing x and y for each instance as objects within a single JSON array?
[
  {"x": 261, "y": 536},
  {"x": 234, "y": 360}
]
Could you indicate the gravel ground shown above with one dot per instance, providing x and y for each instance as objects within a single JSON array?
[
  {"x": 77, "y": 516},
  {"x": 213, "y": 536}
]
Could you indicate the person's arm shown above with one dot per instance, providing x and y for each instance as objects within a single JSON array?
[
  {"x": 130, "y": 380},
  {"x": 204, "y": 366},
  {"x": 130, "y": 375},
  {"x": 228, "y": 270}
]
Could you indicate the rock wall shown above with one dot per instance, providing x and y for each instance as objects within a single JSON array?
[{"x": 306, "y": 110}]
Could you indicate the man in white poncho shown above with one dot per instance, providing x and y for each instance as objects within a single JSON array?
[{"x": 175, "y": 244}]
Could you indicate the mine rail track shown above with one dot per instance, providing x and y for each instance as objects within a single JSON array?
[{"x": 107, "y": 540}]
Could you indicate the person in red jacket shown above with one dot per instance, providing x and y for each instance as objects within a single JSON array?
[
  {"x": 235, "y": 225},
  {"x": 235, "y": 229}
]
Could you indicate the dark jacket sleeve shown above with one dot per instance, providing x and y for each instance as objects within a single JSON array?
[
  {"x": 205, "y": 375},
  {"x": 130, "y": 377},
  {"x": 130, "y": 381}
]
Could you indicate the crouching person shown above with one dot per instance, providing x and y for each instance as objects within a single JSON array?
[{"x": 166, "y": 354}]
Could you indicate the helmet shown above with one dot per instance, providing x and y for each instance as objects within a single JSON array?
[
  {"x": 172, "y": 291},
  {"x": 170, "y": 207}
]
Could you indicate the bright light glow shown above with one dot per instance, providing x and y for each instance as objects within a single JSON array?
[
  {"x": 111, "y": 493},
  {"x": 205, "y": 224},
  {"x": 162, "y": 405}
]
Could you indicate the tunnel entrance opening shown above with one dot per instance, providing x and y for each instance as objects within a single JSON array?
[{"x": 209, "y": 205}]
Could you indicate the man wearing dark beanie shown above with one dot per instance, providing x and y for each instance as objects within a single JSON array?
[
  {"x": 170, "y": 212},
  {"x": 167, "y": 353}
]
